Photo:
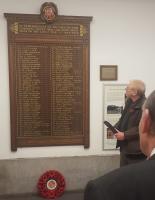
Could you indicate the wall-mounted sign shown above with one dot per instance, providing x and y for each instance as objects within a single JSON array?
[
  {"x": 49, "y": 79},
  {"x": 114, "y": 101},
  {"x": 108, "y": 72}
]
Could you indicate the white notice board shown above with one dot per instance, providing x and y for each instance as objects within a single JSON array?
[{"x": 113, "y": 101}]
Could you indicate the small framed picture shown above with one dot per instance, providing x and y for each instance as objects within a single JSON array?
[{"x": 108, "y": 72}]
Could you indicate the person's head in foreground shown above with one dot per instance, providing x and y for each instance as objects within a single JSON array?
[
  {"x": 135, "y": 181},
  {"x": 147, "y": 125}
]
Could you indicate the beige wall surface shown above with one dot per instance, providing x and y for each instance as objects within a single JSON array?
[
  {"x": 122, "y": 33},
  {"x": 21, "y": 176}
]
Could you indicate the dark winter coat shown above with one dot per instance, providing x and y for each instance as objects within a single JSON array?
[{"x": 128, "y": 123}]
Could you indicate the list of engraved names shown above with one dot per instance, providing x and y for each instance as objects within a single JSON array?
[
  {"x": 49, "y": 89},
  {"x": 67, "y": 89},
  {"x": 33, "y": 111}
]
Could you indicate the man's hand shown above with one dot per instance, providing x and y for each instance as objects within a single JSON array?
[{"x": 120, "y": 136}]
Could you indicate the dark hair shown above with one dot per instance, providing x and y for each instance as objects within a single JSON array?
[{"x": 150, "y": 105}]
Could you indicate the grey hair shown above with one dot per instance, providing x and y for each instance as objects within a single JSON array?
[{"x": 139, "y": 86}]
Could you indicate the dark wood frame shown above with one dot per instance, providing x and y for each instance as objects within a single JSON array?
[
  {"x": 111, "y": 69},
  {"x": 15, "y": 38}
]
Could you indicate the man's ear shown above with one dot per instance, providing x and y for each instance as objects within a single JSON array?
[{"x": 146, "y": 121}]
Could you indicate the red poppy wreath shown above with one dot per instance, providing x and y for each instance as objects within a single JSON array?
[{"x": 51, "y": 184}]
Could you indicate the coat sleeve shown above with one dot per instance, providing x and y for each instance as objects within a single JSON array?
[
  {"x": 132, "y": 133},
  {"x": 92, "y": 192},
  {"x": 127, "y": 104}
]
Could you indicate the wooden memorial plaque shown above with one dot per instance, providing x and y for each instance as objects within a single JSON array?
[{"x": 49, "y": 80}]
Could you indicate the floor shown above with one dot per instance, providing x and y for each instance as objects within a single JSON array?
[{"x": 65, "y": 196}]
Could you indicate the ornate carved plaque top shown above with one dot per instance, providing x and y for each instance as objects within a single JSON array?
[{"x": 49, "y": 12}]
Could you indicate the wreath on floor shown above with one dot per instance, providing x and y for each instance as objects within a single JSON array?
[{"x": 51, "y": 184}]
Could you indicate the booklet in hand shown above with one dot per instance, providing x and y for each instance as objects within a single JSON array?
[{"x": 111, "y": 127}]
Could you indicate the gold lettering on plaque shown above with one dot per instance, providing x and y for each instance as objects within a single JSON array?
[
  {"x": 49, "y": 80},
  {"x": 82, "y": 30},
  {"x": 14, "y": 27},
  {"x": 78, "y": 30},
  {"x": 67, "y": 90},
  {"x": 33, "y": 117}
]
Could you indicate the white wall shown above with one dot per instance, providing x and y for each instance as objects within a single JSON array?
[{"x": 122, "y": 33}]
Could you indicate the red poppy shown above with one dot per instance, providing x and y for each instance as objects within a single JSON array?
[{"x": 51, "y": 184}]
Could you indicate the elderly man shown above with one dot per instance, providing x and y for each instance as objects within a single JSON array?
[
  {"x": 127, "y": 126},
  {"x": 136, "y": 181}
]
